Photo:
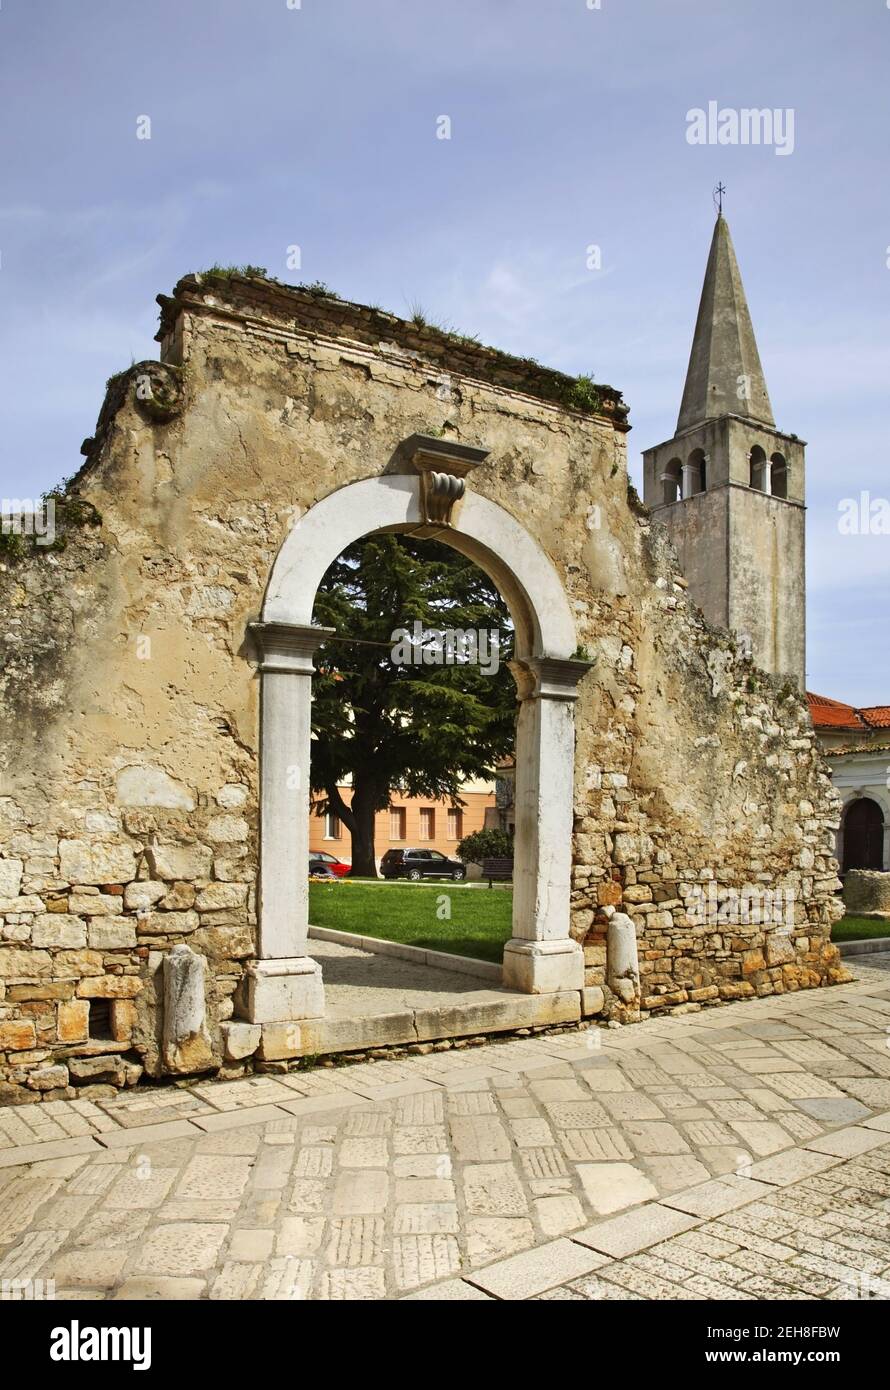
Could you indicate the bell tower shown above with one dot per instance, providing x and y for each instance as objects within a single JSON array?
[{"x": 729, "y": 486}]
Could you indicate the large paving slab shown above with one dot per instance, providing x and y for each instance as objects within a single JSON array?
[{"x": 641, "y": 1163}]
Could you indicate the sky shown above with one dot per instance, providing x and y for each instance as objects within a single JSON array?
[{"x": 316, "y": 124}]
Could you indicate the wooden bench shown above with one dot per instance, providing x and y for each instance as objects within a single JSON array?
[{"x": 497, "y": 869}]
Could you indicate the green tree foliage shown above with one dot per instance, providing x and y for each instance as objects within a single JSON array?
[
  {"x": 420, "y": 730},
  {"x": 485, "y": 844}
]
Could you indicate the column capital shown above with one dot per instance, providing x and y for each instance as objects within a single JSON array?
[
  {"x": 288, "y": 647},
  {"x": 549, "y": 677}
]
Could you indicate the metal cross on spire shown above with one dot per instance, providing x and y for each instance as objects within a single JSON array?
[{"x": 718, "y": 198}]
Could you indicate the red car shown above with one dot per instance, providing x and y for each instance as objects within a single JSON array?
[{"x": 336, "y": 866}]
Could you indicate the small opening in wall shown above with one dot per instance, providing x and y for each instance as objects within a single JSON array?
[{"x": 100, "y": 1019}]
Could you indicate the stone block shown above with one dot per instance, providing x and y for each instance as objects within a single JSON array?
[
  {"x": 123, "y": 1019},
  {"x": 109, "y": 987},
  {"x": 779, "y": 950},
  {"x": 240, "y": 1039},
  {"x": 152, "y": 786},
  {"x": 17, "y": 1035},
  {"x": 167, "y": 923},
  {"x": 73, "y": 965},
  {"x": 73, "y": 1021},
  {"x": 16, "y": 964},
  {"x": 274, "y": 991},
  {"x": 58, "y": 929},
  {"x": 95, "y": 904},
  {"x": 593, "y": 1000},
  {"x": 221, "y": 895},
  {"x": 224, "y": 942},
  {"x": 142, "y": 895},
  {"x": 29, "y": 903},
  {"x": 740, "y": 989},
  {"x": 279, "y": 1040},
  {"x": 180, "y": 898},
  {"x": 231, "y": 796},
  {"x": 227, "y": 829},
  {"x": 109, "y": 1068},
  {"x": 180, "y": 861},
  {"x": 15, "y": 930},
  {"x": 543, "y": 967},
  {"x": 48, "y": 1078},
  {"x": 48, "y": 989},
  {"x": 91, "y": 862},
  {"x": 115, "y": 935},
  {"x": 230, "y": 867},
  {"x": 10, "y": 877}
]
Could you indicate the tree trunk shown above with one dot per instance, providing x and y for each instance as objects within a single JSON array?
[{"x": 359, "y": 821}]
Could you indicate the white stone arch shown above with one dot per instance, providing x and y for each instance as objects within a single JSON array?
[
  {"x": 482, "y": 530},
  {"x": 284, "y": 983}
]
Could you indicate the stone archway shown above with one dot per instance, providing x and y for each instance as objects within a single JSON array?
[{"x": 284, "y": 982}]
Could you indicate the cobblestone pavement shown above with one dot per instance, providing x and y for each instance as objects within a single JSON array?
[{"x": 739, "y": 1152}]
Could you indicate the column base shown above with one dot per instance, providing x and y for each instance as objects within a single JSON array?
[
  {"x": 279, "y": 991},
  {"x": 543, "y": 967}
]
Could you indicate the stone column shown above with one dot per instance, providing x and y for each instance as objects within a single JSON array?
[
  {"x": 284, "y": 982},
  {"x": 690, "y": 480},
  {"x": 541, "y": 956}
]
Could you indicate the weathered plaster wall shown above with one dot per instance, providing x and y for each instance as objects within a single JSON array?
[{"x": 128, "y": 699}]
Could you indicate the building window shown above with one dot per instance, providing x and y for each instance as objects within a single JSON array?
[
  {"x": 427, "y": 823},
  {"x": 332, "y": 824},
  {"x": 397, "y": 822},
  {"x": 778, "y": 476},
  {"x": 455, "y": 823}
]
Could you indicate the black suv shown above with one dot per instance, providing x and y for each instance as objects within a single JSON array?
[{"x": 416, "y": 864}]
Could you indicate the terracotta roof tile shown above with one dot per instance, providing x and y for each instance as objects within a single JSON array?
[
  {"x": 832, "y": 714},
  {"x": 876, "y": 716}
]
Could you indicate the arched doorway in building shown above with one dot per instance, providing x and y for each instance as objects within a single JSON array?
[{"x": 863, "y": 828}]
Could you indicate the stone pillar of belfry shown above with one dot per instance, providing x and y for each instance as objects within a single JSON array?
[
  {"x": 690, "y": 480},
  {"x": 284, "y": 982},
  {"x": 541, "y": 956}
]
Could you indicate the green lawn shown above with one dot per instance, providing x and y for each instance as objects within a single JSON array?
[
  {"x": 479, "y": 924},
  {"x": 858, "y": 929}
]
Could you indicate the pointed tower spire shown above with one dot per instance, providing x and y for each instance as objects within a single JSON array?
[
  {"x": 724, "y": 376},
  {"x": 729, "y": 487}
]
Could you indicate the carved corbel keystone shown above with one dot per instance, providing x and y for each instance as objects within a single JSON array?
[
  {"x": 548, "y": 677},
  {"x": 443, "y": 466}
]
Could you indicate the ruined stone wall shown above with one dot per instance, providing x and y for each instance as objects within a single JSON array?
[
  {"x": 128, "y": 693},
  {"x": 867, "y": 890}
]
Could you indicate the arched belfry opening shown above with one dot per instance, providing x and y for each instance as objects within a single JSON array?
[
  {"x": 758, "y": 470},
  {"x": 285, "y": 983}
]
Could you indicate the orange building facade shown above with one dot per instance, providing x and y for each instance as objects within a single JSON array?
[{"x": 408, "y": 821}]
